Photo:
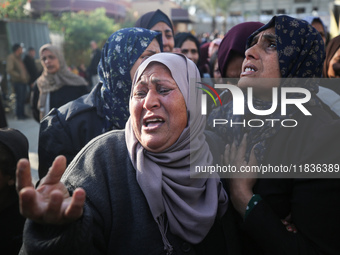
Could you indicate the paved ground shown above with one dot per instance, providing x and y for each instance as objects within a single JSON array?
[{"x": 30, "y": 128}]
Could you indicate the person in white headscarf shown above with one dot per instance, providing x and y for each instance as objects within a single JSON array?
[
  {"x": 57, "y": 85},
  {"x": 132, "y": 190}
]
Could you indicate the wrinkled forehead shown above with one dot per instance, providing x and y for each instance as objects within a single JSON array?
[
  {"x": 145, "y": 75},
  {"x": 268, "y": 34},
  {"x": 175, "y": 63},
  {"x": 250, "y": 39},
  {"x": 299, "y": 46}
]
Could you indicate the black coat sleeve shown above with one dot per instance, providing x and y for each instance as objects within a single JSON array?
[
  {"x": 34, "y": 102},
  {"x": 54, "y": 140}
]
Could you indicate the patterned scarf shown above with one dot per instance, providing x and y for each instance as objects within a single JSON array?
[{"x": 119, "y": 54}]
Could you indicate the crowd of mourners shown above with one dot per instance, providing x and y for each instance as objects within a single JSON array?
[{"x": 115, "y": 163}]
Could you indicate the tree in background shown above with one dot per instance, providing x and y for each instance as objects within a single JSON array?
[
  {"x": 13, "y": 9},
  {"x": 129, "y": 20},
  {"x": 78, "y": 30}
]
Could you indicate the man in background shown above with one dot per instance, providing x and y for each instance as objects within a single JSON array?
[
  {"x": 31, "y": 67},
  {"x": 19, "y": 78}
]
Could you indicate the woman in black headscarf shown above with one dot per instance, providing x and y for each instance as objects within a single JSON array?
[
  {"x": 160, "y": 22},
  {"x": 188, "y": 45},
  {"x": 285, "y": 48}
]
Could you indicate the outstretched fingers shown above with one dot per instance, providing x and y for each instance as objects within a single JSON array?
[
  {"x": 252, "y": 158},
  {"x": 226, "y": 155},
  {"x": 232, "y": 154},
  {"x": 75, "y": 208},
  {"x": 241, "y": 150},
  {"x": 50, "y": 203},
  {"x": 57, "y": 210},
  {"x": 60, "y": 210},
  {"x": 56, "y": 171},
  {"x": 29, "y": 206},
  {"x": 23, "y": 175},
  {"x": 54, "y": 213}
]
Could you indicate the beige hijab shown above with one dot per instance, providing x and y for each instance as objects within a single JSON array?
[
  {"x": 52, "y": 82},
  {"x": 190, "y": 205}
]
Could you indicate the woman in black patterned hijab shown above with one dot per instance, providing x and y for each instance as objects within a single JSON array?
[
  {"x": 299, "y": 53},
  {"x": 292, "y": 49}
]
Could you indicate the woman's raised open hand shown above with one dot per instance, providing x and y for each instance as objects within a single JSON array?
[{"x": 50, "y": 202}]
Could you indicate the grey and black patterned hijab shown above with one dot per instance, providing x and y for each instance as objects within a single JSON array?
[
  {"x": 300, "y": 47},
  {"x": 300, "y": 54}
]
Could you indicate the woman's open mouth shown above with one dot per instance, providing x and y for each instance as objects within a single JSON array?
[{"x": 152, "y": 123}]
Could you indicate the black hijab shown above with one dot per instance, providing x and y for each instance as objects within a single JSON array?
[{"x": 149, "y": 19}]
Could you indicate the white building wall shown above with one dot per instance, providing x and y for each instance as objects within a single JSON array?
[{"x": 263, "y": 10}]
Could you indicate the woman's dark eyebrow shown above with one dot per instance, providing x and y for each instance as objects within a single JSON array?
[
  {"x": 156, "y": 80},
  {"x": 254, "y": 40},
  {"x": 152, "y": 51},
  {"x": 165, "y": 31},
  {"x": 267, "y": 36},
  {"x": 140, "y": 82},
  {"x": 153, "y": 80}
]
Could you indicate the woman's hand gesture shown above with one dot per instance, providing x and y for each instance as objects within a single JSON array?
[
  {"x": 240, "y": 183},
  {"x": 50, "y": 203}
]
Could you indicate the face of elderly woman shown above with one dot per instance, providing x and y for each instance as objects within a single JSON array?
[
  {"x": 261, "y": 62},
  {"x": 158, "y": 109},
  {"x": 50, "y": 62}
]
